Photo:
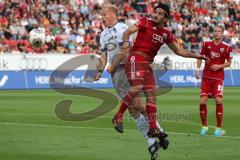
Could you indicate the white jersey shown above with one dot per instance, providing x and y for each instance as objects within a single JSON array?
[{"x": 110, "y": 39}]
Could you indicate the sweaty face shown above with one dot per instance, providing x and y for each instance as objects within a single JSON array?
[
  {"x": 218, "y": 33},
  {"x": 159, "y": 16},
  {"x": 107, "y": 17}
]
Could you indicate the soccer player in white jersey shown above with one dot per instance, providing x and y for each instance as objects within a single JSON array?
[{"x": 110, "y": 40}]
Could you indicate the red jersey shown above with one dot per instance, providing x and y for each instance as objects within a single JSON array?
[
  {"x": 217, "y": 55},
  {"x": 150, "y": 38}
]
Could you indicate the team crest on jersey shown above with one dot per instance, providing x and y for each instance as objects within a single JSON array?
[
  {"x": 221, "y": 50},
  {"x": 165, "y": 36},
  {"x": 111, "y": 46}
]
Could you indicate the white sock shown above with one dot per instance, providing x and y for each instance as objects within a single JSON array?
[
  {"x": 159, "y": 127},
  {"x": 143, "y": 126}
]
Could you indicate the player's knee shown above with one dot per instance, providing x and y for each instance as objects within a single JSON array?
[
  {"x": 151, "y": 99},
  {"x": 203, "y": 100},
  {"x": 133, "y": 111},
  {"x": 137, "y": 88},
  {"x": 218, "y": 100}
]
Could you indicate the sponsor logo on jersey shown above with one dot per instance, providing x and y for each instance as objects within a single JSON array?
[
  {"x": 112, "y": 38},
  {"x": 111, "y": 46},
  {"x": 221, "y": 50},
  {"x": 215, "y": 54},
  {"x": 165, "y": 36},
  {"x": 157, "y": 38}
]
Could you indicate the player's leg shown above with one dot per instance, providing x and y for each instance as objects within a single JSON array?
[
  {"x": 141, "y": 109},
  {"x": 137, "y": 110},
  {"x": 151, "y": 109},
  {"x": 122, "y": 86},
  {"x": 203, "y": 114},
  {"x": 205, "y": 92},
  {"x": 127, "y": 100},
  {"x": 218, "y": 93},
  {"x": 136, "y": 82}
]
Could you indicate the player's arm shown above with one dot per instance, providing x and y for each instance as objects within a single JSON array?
[
  {"x": 124, "y": 48},
  {"x": 226, "y": 64},
  {"x": 199, "y": 63},
  {"x": 219, "y": 66},
  {"x": 184, "y": 53},
  {"x": 101, "y": 65}
]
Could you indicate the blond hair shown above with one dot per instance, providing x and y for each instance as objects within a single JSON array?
[
  {"x": 220, "y": 26},
  {"x": 110, "y": 7}
]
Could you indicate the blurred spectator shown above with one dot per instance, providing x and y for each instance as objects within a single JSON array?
[{"x": 166, "y": 64}]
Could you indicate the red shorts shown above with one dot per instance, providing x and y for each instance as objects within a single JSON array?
[
  {"x": 211, "y": 87},
  {"x": 139, "y": 72}
]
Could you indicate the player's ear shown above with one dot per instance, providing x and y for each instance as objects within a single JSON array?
[{"x": 165, "y": 20}]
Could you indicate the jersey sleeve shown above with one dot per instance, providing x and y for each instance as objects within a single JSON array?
[
  {"x": 121, "y": 30},
  {"x": 203, "y": 50},
  {"x": 229, "y": 53},
  {"x": 102, "y": 45},
  {"x": 171, "y": 38},
  {"x": 142, "y": 23}
]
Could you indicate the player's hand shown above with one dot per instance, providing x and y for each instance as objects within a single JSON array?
[
  {"x": 198, "y": 72},
  {"x": 215, "y": 67},
  {"x": 125, "y": 45},
  {"x": 97, "y": 76},
  {"x": 125, "y": 48}
]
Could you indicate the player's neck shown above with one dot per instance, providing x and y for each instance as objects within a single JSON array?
[
  {"x": 159, "y": 25},
  {"x": 113, "y": 24},
  {"x": 217, "y": 41}
]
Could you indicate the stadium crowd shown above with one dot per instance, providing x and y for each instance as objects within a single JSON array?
[{"x": 74, "y": 26}]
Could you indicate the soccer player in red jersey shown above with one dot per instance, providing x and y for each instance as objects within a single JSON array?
[
  {"x": 151, "y": 36},
  {"x": 219, "y": 54}
]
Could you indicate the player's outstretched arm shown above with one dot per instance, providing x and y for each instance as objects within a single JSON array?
[
  {"x": 199, "y": 62},
  {"x": 184, "y": 53},
  {"x": 101, "y": 65},
  {"x": 124, "y": 48}
]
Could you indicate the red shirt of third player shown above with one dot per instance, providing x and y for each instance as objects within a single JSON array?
[{"x": 217, "y": 55}]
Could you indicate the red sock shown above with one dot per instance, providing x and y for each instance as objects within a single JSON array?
[
  {"x": 124, "y": 105},
  {"x": 219, "y": 114},
  {"x": 151, "y": 110},
  {"x": 203, "y": 114}
]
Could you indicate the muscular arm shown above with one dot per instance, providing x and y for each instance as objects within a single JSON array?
[
  {"x": 199, "y": 62},
  {"x": 182, "y": 52},
  {"x": 101, "y": 65},
  {"x": 102, "y": 62},
  {"x": 123, "y": 52},
  {"x": 227, "y": 64}
]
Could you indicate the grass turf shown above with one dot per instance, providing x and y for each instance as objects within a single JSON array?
[{"x": 30, "y": 130}]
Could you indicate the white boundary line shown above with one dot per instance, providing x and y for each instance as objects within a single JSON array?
[{"x": 108, "y": 129}]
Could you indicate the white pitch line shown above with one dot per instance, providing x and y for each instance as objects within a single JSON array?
[{"x": 108, "y": 129}]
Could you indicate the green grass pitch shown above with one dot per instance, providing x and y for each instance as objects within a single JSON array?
[{"x": 30, "y": 130}]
